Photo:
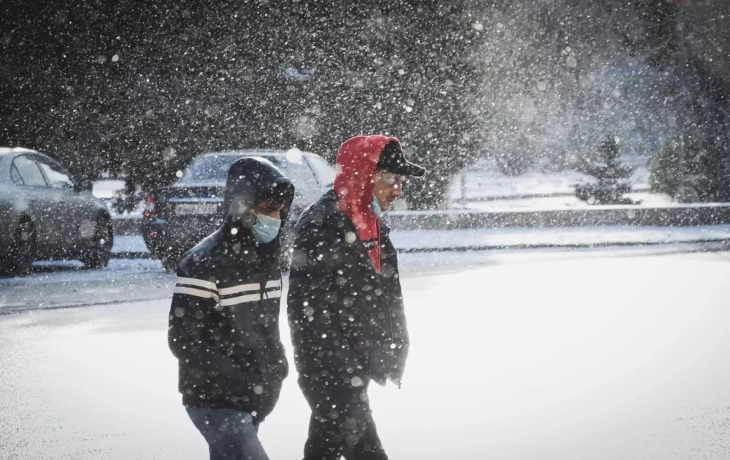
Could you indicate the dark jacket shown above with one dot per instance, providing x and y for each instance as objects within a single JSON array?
[
  {"x": 224, "y": 326},
  {"x": 346, "y": 316}
]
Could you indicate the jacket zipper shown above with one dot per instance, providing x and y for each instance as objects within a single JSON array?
[
  {"x": 380, "y": 285},
  {"x": 387, "y": 303}
]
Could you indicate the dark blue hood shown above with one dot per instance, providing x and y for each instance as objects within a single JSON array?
[{"x": 250, "y": 181}]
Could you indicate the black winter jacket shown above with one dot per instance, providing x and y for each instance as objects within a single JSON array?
[
  {"x": 346, "y": 318},
  {"x": 224, "y": 317}
]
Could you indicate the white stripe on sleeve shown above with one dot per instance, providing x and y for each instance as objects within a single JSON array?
[
  {"x": 273, "y": 284},
  {"x": 239, "y": 288},
  {"x": 196, "y": 282},
  {"x": 240, "y": 299},
  {"x": 196, "y": 292}
]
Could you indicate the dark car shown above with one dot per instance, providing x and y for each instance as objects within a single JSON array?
[
  {"x": 178, "y": 217},
  {"x": 46, "y": 214}
]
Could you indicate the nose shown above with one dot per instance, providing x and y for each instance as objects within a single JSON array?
[
  {"x": 271, "y": 213},
  {"x": 398, "y": 191}
]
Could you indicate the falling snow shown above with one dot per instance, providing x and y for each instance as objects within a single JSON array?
[{"x": 561, "y": 263}]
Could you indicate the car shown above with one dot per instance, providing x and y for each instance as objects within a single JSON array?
[
  {"x": 178, "y": 217},
  {"x": 46, "y": 214}
]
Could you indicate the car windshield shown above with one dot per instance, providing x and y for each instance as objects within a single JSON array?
[{"x": 213, "y": 168}]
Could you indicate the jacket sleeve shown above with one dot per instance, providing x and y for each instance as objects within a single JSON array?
[
  {"x": 313, "y": 304},
  {"x": 192, "y": 312},
  {"x": 189, "y": 305}
]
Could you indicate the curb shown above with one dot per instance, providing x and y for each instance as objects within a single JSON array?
[
  {"x": 668, "y": 216},
  {"x": 569, "y": 246}
]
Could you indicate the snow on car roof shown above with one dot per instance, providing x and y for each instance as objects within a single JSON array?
[
  {"x": 255, "y": 152},
  {"x": 10, "y": 150}
]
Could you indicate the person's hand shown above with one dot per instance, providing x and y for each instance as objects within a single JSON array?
[{"x": 379, "y": 366}]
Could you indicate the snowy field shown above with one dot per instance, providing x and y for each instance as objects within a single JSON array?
[
  {"x": 483, "y": 187},
  {"x": 545, "y": 358},
  {"x": 484, "y": 180}
]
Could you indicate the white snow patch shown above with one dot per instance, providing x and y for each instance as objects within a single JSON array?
[
  {"x": 593, "y": 358},
  {"x": 106, "y": 189}
]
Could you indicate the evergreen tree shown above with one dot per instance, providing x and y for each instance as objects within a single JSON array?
[
  {"x": 667, "y": 168},
  {"x": 611, "y": 176}
]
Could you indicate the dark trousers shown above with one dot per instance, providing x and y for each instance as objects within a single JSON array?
[
  {"x": 230, "y": 434},
  {"x": 341, "y": 424}
]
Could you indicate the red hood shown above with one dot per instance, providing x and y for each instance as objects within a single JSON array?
[{"x": 357, "y": 162}]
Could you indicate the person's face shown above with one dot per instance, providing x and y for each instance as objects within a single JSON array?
[
  {"x": 268, "y": 208},
  {"x": 388, "y": 188}
]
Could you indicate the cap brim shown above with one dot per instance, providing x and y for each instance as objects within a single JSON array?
[
  {"x": 408, "y": 169},
  {"x": 393, "y": 160}
]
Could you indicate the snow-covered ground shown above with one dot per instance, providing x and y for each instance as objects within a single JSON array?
[
  {"x": 63, "y": 284},
  {"x": 66, "y": 283},
  {"x": 129, "y": 243},
  {"x": 106, "y": 189},
  {"x": 590, "y": 358}
]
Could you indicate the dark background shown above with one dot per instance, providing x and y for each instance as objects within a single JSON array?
[{"x": 139, "y": 87}]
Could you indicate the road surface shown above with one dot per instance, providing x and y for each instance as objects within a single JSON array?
[{"x": 531, "y": 356}]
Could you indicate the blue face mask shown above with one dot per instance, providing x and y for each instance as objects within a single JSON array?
[
  {"x": 376, "y": 207},
  {"x": 266, "y": 228}
]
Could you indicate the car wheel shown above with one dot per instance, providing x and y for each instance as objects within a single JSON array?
[
  {"x": 99, "y": 252},
  {"x": 23, "y": 253}
]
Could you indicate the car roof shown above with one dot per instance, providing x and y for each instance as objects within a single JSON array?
[
  {"x": 15, "y": 150},
  {"x": 253, "y": 152}
]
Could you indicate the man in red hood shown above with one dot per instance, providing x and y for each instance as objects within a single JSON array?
[{"x": 345, "y": 303}]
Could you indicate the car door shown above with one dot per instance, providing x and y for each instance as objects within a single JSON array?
[
  {"x": 37, "y": 199},
  {"x": 72, "y": 215}
]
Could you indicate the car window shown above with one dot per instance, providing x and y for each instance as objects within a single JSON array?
[
  {"x": 299, "y": 172},
  {"x": 28, "y": 171},
  {"x": 324, "y": 172},
  {"x": 56, "y": 175},
  {"x": 215, "y": 169},
  {"x": 15, "y": 176}
]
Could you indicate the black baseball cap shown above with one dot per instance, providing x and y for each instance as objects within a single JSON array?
[{"x": 394, "y": 161}]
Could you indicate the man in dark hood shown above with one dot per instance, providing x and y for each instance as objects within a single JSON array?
[
  {"x": 345, "y": 305},
  {"x": 224, "y": 316}
]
